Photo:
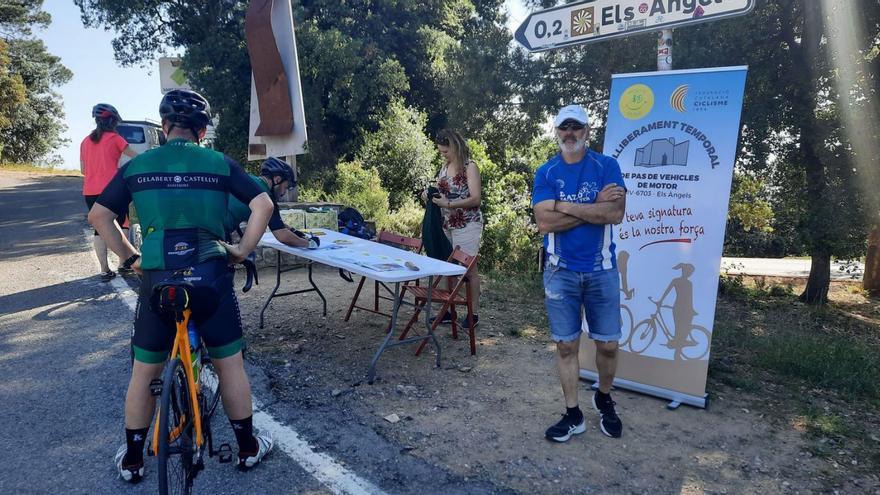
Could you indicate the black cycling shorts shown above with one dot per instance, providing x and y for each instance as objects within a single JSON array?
[
  {"x": 220, "y": 326},
  {"x": 90, "y": 202}
]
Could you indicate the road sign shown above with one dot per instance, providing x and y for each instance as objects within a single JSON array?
[
  {"x": 171, "y": 75},
  {"x": 596, "y": 20}
]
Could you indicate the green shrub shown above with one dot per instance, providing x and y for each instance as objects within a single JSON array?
[
  {"x": 510, "y": 238},
  {"x": 406, "y": 220},
  {"x": 401, "y": 152},
  {"x": 311, "y": 195},
  {"x": 781, "y": 290},
  {"x": 360, "y": 188}
]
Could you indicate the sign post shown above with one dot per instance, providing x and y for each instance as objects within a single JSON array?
[
  {"x": 664, "y": 50},
  {"x": 598, "y": 20}
]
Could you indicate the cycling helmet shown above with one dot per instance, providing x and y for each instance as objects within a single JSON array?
[
  {"x": 105, "y": 110},
  {"x": 185, "y": 108},
  {"x": 105, "y": 116},
  {"x": 276, "y": 167}
]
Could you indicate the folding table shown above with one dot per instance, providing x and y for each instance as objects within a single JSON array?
[{"x": 375, "y": 261}]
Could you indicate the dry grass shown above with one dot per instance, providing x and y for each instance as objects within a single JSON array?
[{"x": 36, "y": 169}]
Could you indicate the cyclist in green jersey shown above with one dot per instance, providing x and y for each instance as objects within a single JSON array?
[
  {"x": 276, "y": 176},
  {"x": 181, "y": 193}
]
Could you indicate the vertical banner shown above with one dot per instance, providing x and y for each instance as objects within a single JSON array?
[{"x": 674, "y": 134}]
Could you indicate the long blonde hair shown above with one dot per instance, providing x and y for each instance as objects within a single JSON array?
[{"x": 451, "y": 138}]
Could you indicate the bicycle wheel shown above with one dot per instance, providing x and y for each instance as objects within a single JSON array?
[
  {"x": 208, "y": 386},
  {"x": 642, "y": 336},
  {"x": 702, "y": 338},
  {"x": 175, "y": 452}
]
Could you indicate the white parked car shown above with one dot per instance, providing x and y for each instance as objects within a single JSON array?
[{"x": 142, "y": 135}]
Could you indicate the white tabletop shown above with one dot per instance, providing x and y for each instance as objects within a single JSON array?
[{"x": 370, "y": 259}]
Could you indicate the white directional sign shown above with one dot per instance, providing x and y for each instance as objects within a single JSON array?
[
  {"x": 171, "y": 75},
  {"x": 585, "y": 22}
]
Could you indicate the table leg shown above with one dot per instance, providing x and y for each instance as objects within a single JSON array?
[
  {"x": 323, "y": 299},
  {"x": 428, "y": 323},
  {"x": 277, "y": 284},
  {"x": 371, "y": 374}
]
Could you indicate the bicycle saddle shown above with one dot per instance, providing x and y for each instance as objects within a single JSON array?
[
  {"x": 171, "y": 296},
  {"x": 176, "y": 293}
]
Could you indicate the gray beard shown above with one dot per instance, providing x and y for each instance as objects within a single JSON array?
[{"x": 575, "y": 147}]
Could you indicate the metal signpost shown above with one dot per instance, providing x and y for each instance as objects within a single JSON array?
[{"x": 597, "y": 20}]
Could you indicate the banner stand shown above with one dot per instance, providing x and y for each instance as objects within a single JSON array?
[{"x": 675, "y": 398}]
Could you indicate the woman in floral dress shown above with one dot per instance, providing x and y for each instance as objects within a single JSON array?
[{"x": 459, "y": 200}]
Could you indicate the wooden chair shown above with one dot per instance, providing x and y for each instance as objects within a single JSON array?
[
  {"x": 391, "y": 239},
  {"x": 450, "y": 298}
]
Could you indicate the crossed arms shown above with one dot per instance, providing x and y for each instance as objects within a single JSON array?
[{"x": 559, "y": 216}]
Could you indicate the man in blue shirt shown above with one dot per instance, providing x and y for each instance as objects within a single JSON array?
[{"x": 578, "y": 196}]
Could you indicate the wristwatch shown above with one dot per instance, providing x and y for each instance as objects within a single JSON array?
[{"x": 130, "y": 261}]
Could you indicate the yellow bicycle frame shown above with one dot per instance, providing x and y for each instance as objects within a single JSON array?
[{"x": 182, "y": 349}]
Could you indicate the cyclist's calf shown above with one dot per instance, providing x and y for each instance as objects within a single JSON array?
[
  {"x": 235, "y": 388},
  {"x": 139, "y": 400}
]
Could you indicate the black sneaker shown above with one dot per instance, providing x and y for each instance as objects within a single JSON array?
[
  {"x": 565, "y": 428},
  {"x": 609, "y": 422},
  {"x": 445, "y": 319},
  {"x": 125, "y": 272},
  {"x": 464, "y": 322},
  {"x": 107, "y": 276}
]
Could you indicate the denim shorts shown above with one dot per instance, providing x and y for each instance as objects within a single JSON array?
[{"x": 598, "y": 293}]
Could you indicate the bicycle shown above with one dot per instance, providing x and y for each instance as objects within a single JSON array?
[
  {"x": 188, "y": 396},
  {"x": 695, "y": 345}
]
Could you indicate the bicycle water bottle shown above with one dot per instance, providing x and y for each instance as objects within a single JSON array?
[{"x": 195, "y": 355}]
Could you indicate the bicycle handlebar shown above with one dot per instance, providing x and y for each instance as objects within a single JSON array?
[
  {"x": 251, "y": 270},
  {"x": 659, "y": 303}
]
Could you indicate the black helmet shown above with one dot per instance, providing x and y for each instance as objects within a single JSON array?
[
  {"x": 275, "y": 167},
  {"x": 185, "y": 108},
  {"x": 105, "y": 116}
]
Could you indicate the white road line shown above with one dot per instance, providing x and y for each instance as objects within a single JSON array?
[{"x": 322, "y": 467}]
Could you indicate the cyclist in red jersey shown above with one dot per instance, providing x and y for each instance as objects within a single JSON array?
[{"x": 99, "y": 155}]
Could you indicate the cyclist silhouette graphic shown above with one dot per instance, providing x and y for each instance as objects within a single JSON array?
[
  {"x": 683, "y": 308},
  {"x": 622, "y": 261}
]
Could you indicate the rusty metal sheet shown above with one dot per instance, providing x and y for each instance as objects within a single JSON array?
[{"x": 273, "y": 96}]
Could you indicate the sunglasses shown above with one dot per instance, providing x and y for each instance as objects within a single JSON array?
[
  {"x": 571, "y": 126},
  {"x": 442, "y": 141}
]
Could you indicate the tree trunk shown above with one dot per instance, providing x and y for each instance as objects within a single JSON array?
[
  {"x": 816, "y": 292},
  {"x": 804, "y": 95},
  {"x": 871, "y": 280}
]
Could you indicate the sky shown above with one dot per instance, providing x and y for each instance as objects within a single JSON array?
[{"x": 98, "y": 78}]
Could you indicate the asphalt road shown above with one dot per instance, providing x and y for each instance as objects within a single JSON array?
[
  {"x": 790, "y": 267},
  {"x": 64, "y": 359}
]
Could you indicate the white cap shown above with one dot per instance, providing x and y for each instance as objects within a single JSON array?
[{"x": 571, "y": 112}]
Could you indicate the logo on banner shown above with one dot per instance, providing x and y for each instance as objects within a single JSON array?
[
  {"x": 662, "y": 152},
  {"x": 582, "y": 22},
  {"x": 676, "y": 101},
  {"x": 636, "y": 101},
  {"x": 711, "y": 100}
]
